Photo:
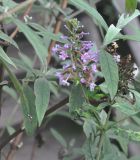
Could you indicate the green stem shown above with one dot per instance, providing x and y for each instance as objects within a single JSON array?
[{"x": 101, "y": 140}]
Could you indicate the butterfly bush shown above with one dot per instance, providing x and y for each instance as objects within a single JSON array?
[{"x": 80, "y": 60}]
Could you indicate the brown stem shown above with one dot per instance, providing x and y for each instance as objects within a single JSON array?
[
  {"x": 48, "y": 112},
  {"x": 14, "y": 146},
  {"x": 15, "y": 9},
  {"x": 56, "y": 29}
]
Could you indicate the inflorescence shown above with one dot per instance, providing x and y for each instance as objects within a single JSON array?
[{"x": 79, "y": 57}]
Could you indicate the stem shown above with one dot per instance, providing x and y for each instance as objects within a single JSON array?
[
  {"x": 15, "y": 9},
  {"x": 101, "y": 140}
]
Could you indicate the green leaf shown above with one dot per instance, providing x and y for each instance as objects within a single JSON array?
[
  {"x": 29, "y": 111},
  {"x": 76, "y": 99},
  {"x": 3, "y": 56},
  {"x": 111, "y": 34},
  {"x": 59, "y": 137},
  {"x": 124, "y": 20},
  {"x": 130, "y": 134},
  {"x": 89, "y": 127},
  {"x": 6, "y": 38},
  {"x": 103, "y": 117},
  {"x": 130, "y": 5},
  {"x": 135, "y": 158},
  {"x": 126, "y": 108},
  {"x": 91, "y": 11},
  {"x": 34, "y": 39},
  {"x": 45, "y": 33},
  {"x": 42, "y": 94},
  {"x": 110, "y": 71}
]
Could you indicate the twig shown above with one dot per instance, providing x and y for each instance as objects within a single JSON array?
[
  {"x": 15, "y": 9},
  {"x": 100, "y": 146},
  {"x": 48, "y": 112},
  {"x": 13, "y": 34},
  {"x": 33, "y": 150},
  {"x": 14, "y": 146},
  {"x": 56, "y": 29},
  {"x": 25, "y": 13}
]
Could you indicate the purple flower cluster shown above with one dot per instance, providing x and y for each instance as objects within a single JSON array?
[{"x": 79, "y": 61}]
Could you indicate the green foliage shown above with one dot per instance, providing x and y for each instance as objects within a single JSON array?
[
  {"x": 91, "y": 108},
  {"x": 34, "y": 39},
  {"x": 110, "y": 72},
  {"x": 42, "y": 97},
  {"x": 76, "y": 99},
  {"x": 130, "y": 5},
  {"x": 91, "y": 11},
  {"x": 59, "y": 138}
]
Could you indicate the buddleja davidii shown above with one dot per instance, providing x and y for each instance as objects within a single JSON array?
[{"x": 79, "y": 58}]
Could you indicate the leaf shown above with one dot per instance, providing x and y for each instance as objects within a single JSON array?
[
  {"x": 111, "y": 34},
  {"x": 34, "y": 39},
  {"x": 130, "y": 5},
  {"x": 45, "y": 33},
  {"x": 29, "y": 111},
  {"x": 91, "y": 11},
  {"x": 126, "y": 108},
  {"x": 110, "y": 71},
  {"x": 103, "y": 117},
  {"x": 42, "y": 94},
  {"x": 24, "y": 101},
  {"x": 124, "y": 20},
  {"x": 76, "y": 99},
  {"x": 6, "y": 38},
  {"x": 3, "y": 56},
  {"x": 59, "y": 137},
  {"x": 132, "y": 135},
  {"x": 89, "y": 127},
  {"x": 135, "y": 158}
]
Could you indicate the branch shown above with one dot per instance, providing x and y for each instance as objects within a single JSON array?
[
  {"x": 15, "y": 9},
  {"x": 48, "y": 112}
]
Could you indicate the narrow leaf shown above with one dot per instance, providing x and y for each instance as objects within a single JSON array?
[
  {"x": 111, "y": 34},
  {"x": 76, "y": 99},
  {"x": 3, "y": 56},
  {"x": 34, "y": 39},
  {"x": 6, "y": 38},
  {"x": 42, "y": 94},
  {"x": 125, "y": 19},
  {"x": 59, "y": 137},
  {"x": 29, "y": 110},
  {"x": 110, "y": 71},
  {"x": 91, "y": 11}
]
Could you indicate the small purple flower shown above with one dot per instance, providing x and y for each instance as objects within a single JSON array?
[
  {"x": 66, "y": 46},
  {"x": 92, "y": 86},
  {"x": 85, "y": 68},
  {"x": 63, "y": 55},
  {"x": 64, "y": 37},
  {"x": 94, "y": 67},
  {"x": 64, "y": 82},
  {"x": 83, "y": 80},
  {"x": 56, "y": 48},
  {"x": 73, "y": 67},
  {"x": 87, "y": 45},
  {"x": 85, "y": 57}
]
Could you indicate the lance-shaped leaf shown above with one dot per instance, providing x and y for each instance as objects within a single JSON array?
[
  {"x": 3, "y": 56},
  {"x": 110, "y": 72},
  {"x": 34, "y": 39},
  {"x": 125, "y": 19},
  {"x": 91, "y": 11},
  {"x": 111, "y": 34},
  {"x": 29, "y": 110},
  {"x": 42, "y": 94},
  {"x": 8, "y": 39},
  {"x": 76, "y": 99}
]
